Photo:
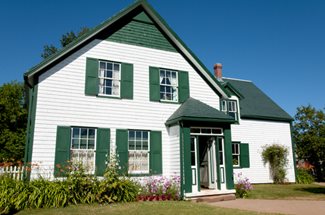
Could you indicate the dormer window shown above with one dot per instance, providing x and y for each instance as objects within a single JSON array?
[{"x": 230, "y": 107}]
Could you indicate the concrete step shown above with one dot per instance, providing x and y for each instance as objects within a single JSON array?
[{"x": 214, "y": 198}]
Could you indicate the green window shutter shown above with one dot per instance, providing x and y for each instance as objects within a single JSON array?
[
  {"x": 127, "y": 81},
  {"x": 122, "y": 150},
  {"x": 91, "y": 87},
  {"x": 183, "y": 86},
  {"x": 244, "y": 155},
  {"x": 62, "y": 150},
  {"x": 102, "y": 150},
  {"x": 155, "y": 153},
  {"x": 154, "y": 84}
]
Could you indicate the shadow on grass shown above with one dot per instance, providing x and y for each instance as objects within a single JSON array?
[{"x": 315, "y": 190}]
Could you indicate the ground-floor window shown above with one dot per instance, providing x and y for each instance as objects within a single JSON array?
[
  {"x": 83, "y": 145},
  {"x": 235, "y": 154},
  {"x": 138, "y": 147}
]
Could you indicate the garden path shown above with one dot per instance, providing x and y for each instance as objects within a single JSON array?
[{"x": 299, "y": 207}]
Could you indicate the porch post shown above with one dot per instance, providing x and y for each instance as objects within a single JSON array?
[{"x": 228, "y": 158}]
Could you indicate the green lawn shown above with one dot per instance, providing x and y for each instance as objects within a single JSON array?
[
  {"x": 288, "y": 191},
  {"x": 143, "y": 208}
]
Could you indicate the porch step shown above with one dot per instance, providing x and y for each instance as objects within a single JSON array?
[{"x": 214, "y": 198}]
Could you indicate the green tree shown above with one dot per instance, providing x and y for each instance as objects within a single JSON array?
[
  {"x": 13, "y": 122},
  {"x": 66, "y": 39},
  {"x": 309, "y": 136}
]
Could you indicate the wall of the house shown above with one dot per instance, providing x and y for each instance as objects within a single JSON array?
[
  {"x": 61, "y": 100},
  {"x": 258, "y": 133}
]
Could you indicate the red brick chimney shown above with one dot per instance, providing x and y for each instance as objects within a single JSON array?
[{"x": 218, "y": 70}]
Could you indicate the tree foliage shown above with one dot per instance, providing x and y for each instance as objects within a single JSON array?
[
  {"x": 13, "y": 122},
  {"x": 66, "y": 39},
  {"x": 309, "y": 136},
  {"x": 276, "y": 155}
]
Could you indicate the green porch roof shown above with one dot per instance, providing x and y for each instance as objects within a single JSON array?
[
  {"x": 195, "y": 110},
  {"x": 254, "y": 104}
]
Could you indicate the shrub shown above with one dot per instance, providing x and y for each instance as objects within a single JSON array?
[
  {"x": 304, "y": 177},
  {"x": 276, "y": 156},
  {"x": 78, "y": 187},
  {"x": 242, "y": 186},
  {"x": 160, "y": 187}
]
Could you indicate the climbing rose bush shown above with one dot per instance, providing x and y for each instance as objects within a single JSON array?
[{"x": 242, "y": 185}]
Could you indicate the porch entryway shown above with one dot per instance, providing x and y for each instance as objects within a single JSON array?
[{"x": 207, "y": 161}]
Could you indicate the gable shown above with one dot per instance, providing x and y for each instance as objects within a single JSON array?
[
  {"x": 141, "y": 31},
  {"x": 115, "y": 24}
]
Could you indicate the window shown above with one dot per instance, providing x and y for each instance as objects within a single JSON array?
[
  {"x": 230, "y": 107},
  {"x": 168, "y": 85},
  {"x": 139, "y": 145},
  {"x": 83, "y": 147},
  {"x": 109, "y": 78},
  {"x": 235, "y": 154}
]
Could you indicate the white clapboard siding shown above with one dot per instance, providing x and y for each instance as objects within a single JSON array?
[
  {"x": 61, "y": 99},
  {"x": 258, "y": 133}
]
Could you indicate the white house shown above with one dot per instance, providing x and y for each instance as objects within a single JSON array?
[{"x": 131, "y": 86}]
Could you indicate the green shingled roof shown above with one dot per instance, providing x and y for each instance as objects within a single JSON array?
[
  {"x": 195, "y": 110},
  {"x": 255, "y": 104}
]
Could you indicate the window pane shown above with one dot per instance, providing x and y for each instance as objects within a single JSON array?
[
  {"x": 75, "y": 143},
  {"x": 91, "y": 144},
  {"x": 195, "y": 130},
  {"x": 116, "y": 75},
  {"x": 91, "y": 133},
  {"x": 75, "y": 132},
  {"x": 192, "y": 144},
  {"x": 216, "y": 131},
  {"x": 192, "y": 158},
  {"x": 138, "y": 145},
  {"x": 116, "y": 67},
  {"x": 109, "y": 66},
  {"x": 145, "y": 164},
  {"x": 206, "y": 131},
  {"x": 235, "y": 160},
  {"x": 84, "y": 133},
  {"x": 145, "y": 145},
  {"x": 83, "y": 144},
  {"x": 138, "y": 135},
  {"x": 131, "y": 145},
  {"x": 102, "y": 65},
  {"x": 145, "y": 135},
  {"x": 131, "y": 135}
]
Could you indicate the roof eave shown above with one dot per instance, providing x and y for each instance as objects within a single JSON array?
[
  {"x": 268, "y": 118},
  {"x": 199, "y": 119}
]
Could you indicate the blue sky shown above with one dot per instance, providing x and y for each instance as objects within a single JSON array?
[{"x": 278, "y": 44}]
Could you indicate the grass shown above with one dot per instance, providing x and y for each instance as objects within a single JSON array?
[
  {"x": 288, "y": 191},
  {"x": 143, "y": 208}
]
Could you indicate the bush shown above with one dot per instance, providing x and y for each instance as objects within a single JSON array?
[
  {"x": 276, "y": 156},
  {"x": 77, "y": 188},
  {"x": 242, "y": 186},
  {"x": 304, "y": 177},
  {"x": 160, "y": 187}
]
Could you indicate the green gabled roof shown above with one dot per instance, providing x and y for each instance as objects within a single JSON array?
[
  {"x": 195, "y": 110},
  {"x": 255, "y": 104},
  {"x": 110, "y": 26}
]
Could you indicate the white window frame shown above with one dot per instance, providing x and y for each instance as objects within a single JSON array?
[
  {"x": 226, "y": 106},
  {"x": 79, "y": 151},
  {"x": 169, "y": 85},
  {"x": 236, "y": 154},
  {"x": 103, "y": 78},
  {"x": 201, "y": 131},
  {"x": 139, "y": 151}
]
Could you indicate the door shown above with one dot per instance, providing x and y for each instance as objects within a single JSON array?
[
  {"x": 212, "y": 164},
  {"x": 194, "y": 161}
]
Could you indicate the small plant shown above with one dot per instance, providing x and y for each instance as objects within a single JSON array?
[
  {"x": 304, "y": 176},
  {"x": 276, "y": 155},
  {"x": 242, "y": 186}
]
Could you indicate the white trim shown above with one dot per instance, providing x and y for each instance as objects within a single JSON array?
[{"x": 237, "y": 79}]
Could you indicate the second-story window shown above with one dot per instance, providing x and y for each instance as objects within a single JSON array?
[
  {"x": 230, "y": 107},
  {"x": 168, "y": 85},
  {"x": 109, "y": 78}
]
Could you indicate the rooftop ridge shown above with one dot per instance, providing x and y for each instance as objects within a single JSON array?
[{"x": 237, "y": 79}]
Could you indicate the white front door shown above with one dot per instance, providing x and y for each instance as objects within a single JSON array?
[
  {"x": 212, "y": 165},
  {"x": 194, "y": 162}
]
